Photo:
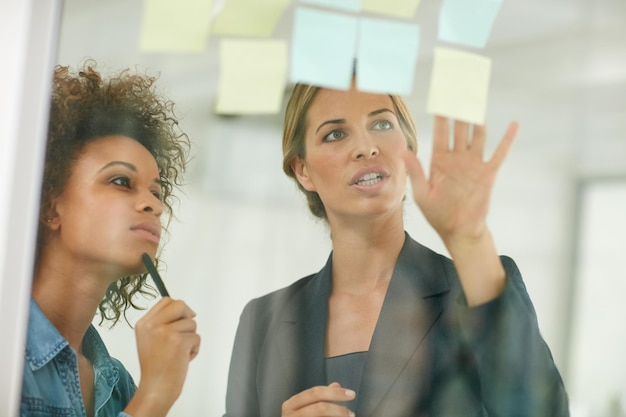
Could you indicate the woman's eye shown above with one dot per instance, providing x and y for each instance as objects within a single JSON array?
[
  {"x": 334, "y": 135},
  {"x": 122, "y": 181},
  {"x": 383, "y": 125},
  {"x": 157, "y": 195}
]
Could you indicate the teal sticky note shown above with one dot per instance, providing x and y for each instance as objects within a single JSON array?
[
  {"x": 322, "y": 48},
  {"x": 387, "y": 55},
  {"x": 467, "y": 22},
  {"x": 348, "y": 5}
]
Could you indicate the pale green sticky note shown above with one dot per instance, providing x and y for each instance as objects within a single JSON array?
[
  {"x": 459, "y": 85},
  {"x": 322, "y": 48},
  {"x": 467, "y": 22},
  {"x": 253, "y": 75},
  {"x": 348, "y": 5},
  {"x": 399, "y": 8},
  {"x": 180, "y": 26},
  {"x": 387, "y": 55},
  {"x": 249, "y": 17}
]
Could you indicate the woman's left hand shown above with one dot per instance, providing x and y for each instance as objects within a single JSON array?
[{"x": 455, "y": 198}]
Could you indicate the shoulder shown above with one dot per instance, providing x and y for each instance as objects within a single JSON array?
[{"x": 268, "y": 305}]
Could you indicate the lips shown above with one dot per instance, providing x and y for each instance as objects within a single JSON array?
[
  {"x": 368, "y": 176},
  {"x": 152, "y": 231}
]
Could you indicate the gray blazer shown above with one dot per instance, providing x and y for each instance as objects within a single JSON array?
[{"x": 430, "y": 354}]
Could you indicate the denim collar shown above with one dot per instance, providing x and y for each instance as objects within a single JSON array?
[
  {"x": 43, "y": 340},
  {"x": 44, "y": 343}
]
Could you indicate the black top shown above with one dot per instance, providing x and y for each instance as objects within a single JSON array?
[{"x": 348, "y": 371}]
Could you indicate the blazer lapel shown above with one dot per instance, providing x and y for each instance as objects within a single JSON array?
[
  {"x": 301, "y": 332},
  {"x": 407, "y": 315}
]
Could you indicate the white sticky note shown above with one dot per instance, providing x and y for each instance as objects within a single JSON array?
[
  {"x": 405, "y": 9},
  {"x": 253, "y": 75},
  {"x": 181, "y": 26},
  {"x": 323, "y": 48},
  {"x": 459, "y": 85},
  {"x": 387, "y": 55}
]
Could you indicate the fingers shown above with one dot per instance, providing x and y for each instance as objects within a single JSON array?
[
  {"x": 319, "y": 401},
  {"x": 169, "y": 310},
  {"x": 416, "y": 174},
  {"x": 461, "y": 133},
  {"x": 441, "y": 134},
  {"x": 505, "y": 144},
  {"x": 478, "y": 136}
]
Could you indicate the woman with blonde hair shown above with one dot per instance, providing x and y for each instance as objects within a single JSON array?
[{"x": 388, "y": 327}]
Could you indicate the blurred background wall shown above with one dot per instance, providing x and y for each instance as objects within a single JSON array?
[{"x": 243, "y": 229}]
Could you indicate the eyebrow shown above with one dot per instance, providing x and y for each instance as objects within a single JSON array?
[
  {"x": 129, "y": 166},
  {"x": 339, "y": 121}
]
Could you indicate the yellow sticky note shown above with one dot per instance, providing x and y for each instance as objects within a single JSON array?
[
  {"x": 253, "y": 76},
  {"x": 398, "y": 8},
  {"x": 459, "y": 85},
  {"x": 175, "y": 26},
  {"x": 249, "y": 17}
]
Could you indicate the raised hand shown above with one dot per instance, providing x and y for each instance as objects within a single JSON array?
[
  {"x": 455, "y": 197},
  {"x": 320, "y": 401},
  {"x": 166, "y": 342},
  {"x": 455, "y": 201}
]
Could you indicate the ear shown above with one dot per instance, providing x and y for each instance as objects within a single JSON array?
[
  {"x": 49, "y": 216},
  {"x": 299, "y": 168}
]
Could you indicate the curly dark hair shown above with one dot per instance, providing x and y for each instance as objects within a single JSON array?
[{"x": 85, "y": 106}]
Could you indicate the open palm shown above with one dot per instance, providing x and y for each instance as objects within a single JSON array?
[{"x": 455, "y": 197}]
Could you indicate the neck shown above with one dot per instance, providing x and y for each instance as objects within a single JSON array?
[
  {"x": 68, "y": 293},
  {"x": 365, "y": 254}
]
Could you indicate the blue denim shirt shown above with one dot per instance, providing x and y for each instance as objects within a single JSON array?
[{"x": 51, "y": 385}]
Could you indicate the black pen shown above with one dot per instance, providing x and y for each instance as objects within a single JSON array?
[{"x": 155, "y": 275}]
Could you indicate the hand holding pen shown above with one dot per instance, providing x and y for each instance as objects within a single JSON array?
[{"x": 166, "y": 342}]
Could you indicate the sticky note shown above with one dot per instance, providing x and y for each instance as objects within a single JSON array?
[
  {"x": 181, "y": 26},
  {"x": 467, "y": 22},
  {"x": 386, "y": 56},
  {"x": 323, "y": 48},
  {"x": 249, "y": 17},
  {"x": 398, "y": 8},
  {"x": 253, "y": 75},
  {"x": 348, "y": 5},
  {"x": 459, "y": 85}
]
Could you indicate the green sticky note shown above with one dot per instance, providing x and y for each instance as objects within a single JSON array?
[
  {"x": 181, "y": 26},
  {"x": 398, "y": 8},
  {"x": 249, "y": 17},
  {"x": 252, "y": 77},
  {"x": 459, "y": 85}
]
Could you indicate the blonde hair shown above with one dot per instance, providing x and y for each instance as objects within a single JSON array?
[{"x": 294, "y": 129}]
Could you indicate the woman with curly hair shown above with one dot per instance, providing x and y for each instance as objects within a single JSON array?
[{"x": 114, "y": 155}]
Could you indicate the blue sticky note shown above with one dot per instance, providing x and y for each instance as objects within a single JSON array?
[
  {"x": 467, "y": 22},
  {"x": 322, "y": 48},
  {"x": 387, "y": 55},
  {"x": 348, "y": 5}
]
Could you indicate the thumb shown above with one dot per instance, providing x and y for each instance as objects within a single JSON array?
[{"x": 414, "y": 169}]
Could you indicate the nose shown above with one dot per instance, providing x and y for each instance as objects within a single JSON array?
[
  {"x": 149, "y": 203},
  {"x": 366, "y": 147}
]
